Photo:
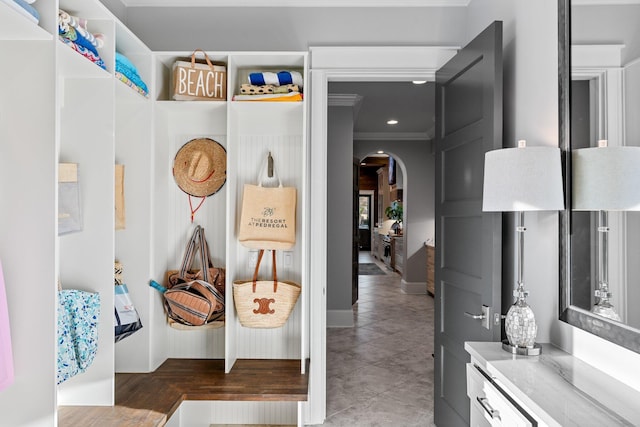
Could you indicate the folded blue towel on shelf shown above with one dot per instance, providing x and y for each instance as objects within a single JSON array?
[
  {"x": 129, "y": 70},
  {"x": 77, "y": 37},
  {"x": 96, "y": 59},
  {"x": 135, "y": 78},
  {"x": 276, "y": 79},
  {"x": 124, "y": 62}
]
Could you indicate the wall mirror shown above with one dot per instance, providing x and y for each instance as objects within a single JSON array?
[{"x": 599, "y": 71}]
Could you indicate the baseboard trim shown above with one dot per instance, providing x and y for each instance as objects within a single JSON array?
[
  {"x": 340, "y": 319},
  {"x": 414, "y": 288}
]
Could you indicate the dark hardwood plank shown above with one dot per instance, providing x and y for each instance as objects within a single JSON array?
[{"x": 149, "y": 399}]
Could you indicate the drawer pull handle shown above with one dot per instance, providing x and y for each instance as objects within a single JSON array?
[{"x": 484, "y": 402}]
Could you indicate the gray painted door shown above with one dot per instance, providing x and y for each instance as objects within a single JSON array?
[
  {"x": 468, "y": 241},
  {"x": 355, "y": 236}
]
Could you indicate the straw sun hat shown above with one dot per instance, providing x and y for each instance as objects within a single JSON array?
[{"x": 200, "y": 167}]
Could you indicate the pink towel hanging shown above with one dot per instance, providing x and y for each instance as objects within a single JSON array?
[{"x": 6, "y": 357}]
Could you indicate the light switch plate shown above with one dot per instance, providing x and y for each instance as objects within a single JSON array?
[{"x": 288, "y": 259}]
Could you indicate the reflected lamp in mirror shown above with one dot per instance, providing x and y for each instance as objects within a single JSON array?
[
  {"x": 519, "y": 180},
  {"x": 605, "y": 179}
]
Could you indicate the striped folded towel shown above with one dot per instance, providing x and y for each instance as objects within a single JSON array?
[
  {"x": 247, "y": 89},
  {"x": 276, "y": 97},
  {"x": 276, "y": 79}
]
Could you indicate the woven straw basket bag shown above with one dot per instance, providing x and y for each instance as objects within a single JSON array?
[{"x": 265, "y": 303}]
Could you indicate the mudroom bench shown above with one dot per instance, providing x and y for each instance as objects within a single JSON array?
[{"x": 149, "y": 399}]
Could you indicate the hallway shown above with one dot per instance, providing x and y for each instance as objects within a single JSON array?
[{"x": 380, "y": 373}]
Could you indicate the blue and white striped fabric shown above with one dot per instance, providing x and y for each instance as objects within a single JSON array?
[{"x": 276, "y": 79}]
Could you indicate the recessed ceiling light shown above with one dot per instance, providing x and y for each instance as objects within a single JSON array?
[
  {"x": 380, "y": 152},
  {"x": 392, "y": 122},
  {"x": 419, "y": 82}
]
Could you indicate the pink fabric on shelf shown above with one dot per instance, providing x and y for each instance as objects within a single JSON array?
[{"x": 6, "y": 356}]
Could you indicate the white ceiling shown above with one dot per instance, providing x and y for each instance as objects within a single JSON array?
[
  {"x": 297, "y": 3},
  {"x": 412, "y": 105}
]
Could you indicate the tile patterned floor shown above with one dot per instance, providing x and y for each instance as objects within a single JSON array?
[{"x": 380, "y": 373}]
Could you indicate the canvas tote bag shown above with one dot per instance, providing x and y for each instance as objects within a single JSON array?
[
  {"x": 268, "y": 214},
  {"x": 265, "y": 303},
  {"x": 195, "y": 81}
]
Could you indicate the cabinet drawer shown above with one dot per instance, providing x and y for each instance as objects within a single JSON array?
[{"x": 490, "y": 405}]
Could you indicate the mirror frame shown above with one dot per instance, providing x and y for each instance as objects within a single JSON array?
[{"x": 612, "y": 331}]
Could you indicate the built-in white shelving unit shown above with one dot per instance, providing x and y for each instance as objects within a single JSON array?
[{"x": 57, "y": 106}]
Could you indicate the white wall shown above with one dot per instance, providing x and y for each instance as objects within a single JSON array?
[
  {"x": 608, "y": 24},
  {"x": 294, "y": 28},
  {"x": 531, "y": 113}
]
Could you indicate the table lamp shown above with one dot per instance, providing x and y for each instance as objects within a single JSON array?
[
  {"x": 519, "y": 180},
  {"x": 605, "y": 179}
]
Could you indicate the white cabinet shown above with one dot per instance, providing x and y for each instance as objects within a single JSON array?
[
  {"x": 28, "y": 173},
  {"x": 57, "y": 106},
  {"x": 490, "y": 405},
  {"x": 249, "y": 131},
  {"x": 554, "y": 389}
]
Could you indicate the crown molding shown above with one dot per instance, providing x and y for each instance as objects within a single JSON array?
[
  {"x": 344, "y": 100},
  {"x": 392, "y": 136}
]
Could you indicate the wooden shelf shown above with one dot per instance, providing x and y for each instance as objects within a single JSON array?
[{"x": 150, "y": 399}]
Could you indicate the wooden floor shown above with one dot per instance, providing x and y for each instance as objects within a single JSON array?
[{"x": 149, "y": 399}]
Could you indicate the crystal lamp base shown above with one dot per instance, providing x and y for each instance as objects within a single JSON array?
[
  {"x": 522, "y": 351},
  {"x": 521, "y": 329}
]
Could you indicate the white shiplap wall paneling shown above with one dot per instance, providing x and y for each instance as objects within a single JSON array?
[
  {"x": 181, "y": 122},
  {"x": 286, "y": 151},
  {"x": 248, "y": 131},
  {"x": 255, "y": 129},
  {"x": 206, "y": 413}
]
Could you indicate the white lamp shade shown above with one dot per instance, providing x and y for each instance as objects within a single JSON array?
[
  {"x": 606, "y": 178},
  {"x": 523, "y": 179}
]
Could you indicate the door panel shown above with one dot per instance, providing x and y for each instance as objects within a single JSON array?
[
  {"x": 465, "y": 85},
  {"x": 463, "y": 157},
  {"x": 459, "y": 328},
  {"x": 468, "y": 241},
  {"x": 460, "y": 253},
  {"x": 456, "y": 380}
]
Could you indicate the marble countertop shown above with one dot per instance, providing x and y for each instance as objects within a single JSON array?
[{"x": 561, "y": 389}]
